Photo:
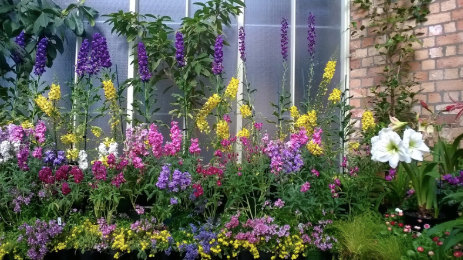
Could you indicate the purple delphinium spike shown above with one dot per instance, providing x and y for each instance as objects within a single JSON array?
[
  {"x": 143, "y": 69},
  {"x": 82, "y": 58},
  {"x": 21, "y": 42},
  {"x": 284, "y": 38},
  {"x": 41, "y": 57},
  {"x": 180, "y": 50},
  {"x": 217, "y": 66},
  {"x": 105, "y": 59},
  {"x": 312, "y": 34},
  {"x": 100, "y": 54},
  {"x": 242, "y": 46}
]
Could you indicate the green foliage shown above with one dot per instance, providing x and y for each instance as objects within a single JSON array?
[{"x": 450, "y": 155}]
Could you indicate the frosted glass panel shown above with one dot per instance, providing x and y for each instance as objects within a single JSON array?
[
  {"x": 108, "y": 6},
  {"x": 173, "y": 8},
  {"x": 259, "y": 12},
  {"x": 327, "y": 13}
]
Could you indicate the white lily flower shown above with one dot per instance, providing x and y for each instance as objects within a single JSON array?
[
  {"x": 413, "y": 142},
  {"x": 389, "y": 148}
]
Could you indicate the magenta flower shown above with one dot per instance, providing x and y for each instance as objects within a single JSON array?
[
  {"x": 279, "y": 203},
  {"x": 305, "y": 187},
  {"x": 65, "y": 189},
  {"x": 172, "y": 148},
  {"x": 194, "y": 147},
  {"x": 155, "y": 139},
  {"x": 118, "y": 180},
  {"x": 138, "y": 163},
  {"x": 315, "y": 172},
  {"x": 99, "y": 171},
  {"x": 37, "y": 153}
]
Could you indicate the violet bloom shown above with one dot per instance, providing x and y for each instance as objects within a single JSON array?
[
  {"x": 305, "y": 187},
  {"x": 217, "y": 65},
  {"x": 173, "y": 201},
  {"x": 241, "y": 44},
  {"x": 143, "y": 69},
  {"x": 21, "y": 42},
  {"x": 41, "y": 57},
  {"x": 180, "y": 49},
  {"x": 82, "y": 59},
  {"x": 311, "y": 35},
  {"x": 284, "y": 38},
  {"x": 279, "y": 203},
  {"x": 100, "y": 54}
]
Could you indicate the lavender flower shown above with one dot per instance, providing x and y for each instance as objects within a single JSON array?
[
  {"x": 21, "y": 42},
  {"x": 241, "y": 44},
  {"x": 38, "y": 236},
  {"x": 180, "y": 50},
  {"x": 143, "y": 69},
  {"x": 82, "y": 59},
  {"x": 312, "y": 34},
  {"x": 177, "y": 181},
  {"x": 173, "y": 201},
  {"x": 41, "y": 57},
  {"x": 100, "y": 54},
  {"x": 217, "y": 66},
  {"x": 284, "y": 38}
]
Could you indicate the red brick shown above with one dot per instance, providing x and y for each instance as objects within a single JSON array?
[
  {"x": 453, "y": 38},
  {"x": 436, "y": 75},
  {"x": 354, "y": 83},
  {"x": 358, "y": 73},
  {"x": 375, "y": 71},
  {"x": 427, "y": 87},
  {"x": 460, "y": 25},
  {"x": 367, "y": 62},
  {"x": 378, "y": 60},
  {"x": 428, "y": 65},
  {"x": 354, "y": 45},
  {"x": 372, "y": 51},
  {"x": 437, "y": 18},
  {"x": 450, "y": 27},
  {"x": 448, "y": 5},
  {"x": 360, "y": 53},
  {"x": 450, "y": 62},
  {"x": 434, "y": 98},
  {"x": 355, "y": 64},
  {"x": 451, "y": 73},
  {"x": 429, "y": 42},
  {"x": 421, "y": 76},
  {"x": 423, "y": 30},
  {"x": 368, "y": 41},
  {"x": 454, "y": 94},
  {"x": 448, "y": 85},
  {"x": 435, "y": 30},
  {"x": 358, "y": 92},
  {"x": 434, "y": 8},
  {"x": 367, "y": 82},
  {"x": 414, "y": 65},
  {"x": 354, "y": 102},
  {"x": 457, "y": 14},
  {"x": 421, "y": 54},
  {"x": 450, "y": 50},
  {"x": 436, "y": 52},
  {"x": 460, "y": 3}
]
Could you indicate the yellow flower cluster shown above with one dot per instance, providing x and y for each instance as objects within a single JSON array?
[
  {"x": 314, "y": 148},
  {"x": 27, "y": 125},
  {"x": 232, "y": 88},
  {"x": 354, "y": 146},
  {"x": 87, "y": 229},
  {"x": 329, "y": 70},
  {"x": 210, "y": 104},
  {"x": 109, "y": 90},
  {"x": 96, "y": 131},
  {"x": 308, "y": 121},
  {"x": 223, "y": 131},
  {"x": 244, "y": 244},
  {"x": 292, "y": 245},
  {"x": 3, "y": 250},
  {"x": 368, "y": 121},
  {"x": 69, "y": 139},
  {"x": 245, "y": 111},
  {"x": 55, "y": 93},
  {"x": 244, "y": 133},
  {"x": 60, "y": 246},
  {"x": 44, "y": 105},
  {"x": 335, "y": 96},
  {"x": 119, "y": 242},
  {"x": 294, "y": 112},
  {"x": 72, "y": 154}
]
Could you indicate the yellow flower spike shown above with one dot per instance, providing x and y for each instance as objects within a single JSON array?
[
  {"x": 232, "y": 88},
  {"x": 69, "y": 139},
  {"x": 109, "y": 90},
  {"x": 314, "y": 148},
  {"x": 44, "y": 105},
  {"x": 244, "y": 133},
  {"x": 335, "y": 96},
  {"x": 329, "y": 70},
  {"x": 27, "y": 125},
  {"x": 245, "y": 111},
  {"x": 223, "y": 130},
  {"x": 368, "y": 121},
  {"x": 294, "y": 112},
  {"x": 354, "y": 145},
  {"x": 55, "y": 93}
]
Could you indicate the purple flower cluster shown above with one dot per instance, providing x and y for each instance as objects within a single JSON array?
[
  {"x": 139, "y": 209},
  {"x": 305, "y": 187},
  {"x": 21, "y": 42},
  {"x": 83, "y": 59},
  {"x": 286, "y": 157},
  {"x": 19, "y": 200},
  {"x": 180, "y": 50},
  {"x": 99, "y": 56},
  {"x": 205, "y": 236},
  {"x": 284, "y": 38},
  {"x": 217, "y": 65},
  {"x": 155, "y": 139},
  {"x": 262, "y": 228},
  {"x": 173, "y": 147},
  {"x": 311, "y": 35},
  {"x": 118, "y": 179},
  {"x": 143, "y": 225},
  {"x": 190, "y": 250},
  {"x": 457, "y": 180},
  {"x": 174, "y": 182},
  {"x": 22, "y": 156},
  {"x": 38, "y": 236},
  {"x": 56, "y": 159},
  {"x": 194, "y": 147},
  {"x": 279, "y": 203},
  {"x": 135, "y": 142},
  {"x": 41, "y": 57},
  {"x": 99, "y": 171},
  {"x": 234, "y": 221},
  {"x": 143, "y": 69},
  {"x": 40, "y": 130},
  {"x": 106, "y": 231},
  {"x": 241, "y": 43},
  {"x": 314, "y": 235},
  {"x": 391, "y": 174}
]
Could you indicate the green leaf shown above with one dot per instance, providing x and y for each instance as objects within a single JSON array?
[{"x": 6, "y": 8}]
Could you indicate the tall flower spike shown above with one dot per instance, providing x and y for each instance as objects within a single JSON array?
[
  {"x": 312, "y": 34},
  {"x": 242, "y": 46},
  {"x": 217, "y": 66},
  {"x": 143, "y": 69},
  {"x": 105, "y": 59},
  {"x": 21, "y": 42},
  {"x": 82, "y": 59},
  {"x": 180, "y": 50},
  {"x": 41, "y": 57},
  {"x": 94, "y": 63},
  {"x": 284, "y": 38}
]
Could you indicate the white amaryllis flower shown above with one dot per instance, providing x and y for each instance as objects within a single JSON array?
[
  {"x": 388, "y": 147},
  {"x": 413, "y": 142}
]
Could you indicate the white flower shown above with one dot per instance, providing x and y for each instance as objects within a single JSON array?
[
  {"x": 5, "y": 148},
  {"x": 16, "y": 146},
  {"x": 102, "y": 149},
  {"x": 413, "y": 141},
  {"x": 113, "y": 149},
  {"x": 398, "y": 210},
  {"x": 83, "y": 163},
  {"x": 388, "y": 147}
]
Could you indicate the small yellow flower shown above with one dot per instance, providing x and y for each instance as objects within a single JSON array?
[
  {"x": 244, "y": 133},
  {"x": 294, "y": 112},
  {"x": 308, "y": 121},
  {"x": 55, "y": 92},
  {"x": 223, "y": 131},
  {"x": 202, "y": 124},
  {"x": 109, "y": 90},
  {"x": 27, "y": 125},
  {"x": 329, "y": 70},
  {"x": 314, "y": 148},
  {"x": 354, "y": 145},
  {"x": 335, "y": 96},
  {"x": 368, "y": 121},
  {"x": 96, "y": 131},
  {"x": 107, "y": 141},
  {"x": 68, "y": 139},
  {"x": 45, "y": 105},
  {"x": 210, "y": 104},
  {"x": 72, "y": 154},
  {"x": 245, "y": 111},
  {"x": 232, "y": 88}
]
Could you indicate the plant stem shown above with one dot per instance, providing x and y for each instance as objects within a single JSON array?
[
  {"x": 87, "y": 96},
  {"x": 146, "y": 101}
]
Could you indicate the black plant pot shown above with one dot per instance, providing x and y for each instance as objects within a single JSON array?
[
  {"x": 92, "y": 255},
  {"x": 319, "y": 255},
  {"x": 451, "y": 211},
  {"x": 125, "y": 256},
  {"x": 413, "y": 219},
  {"x": 246, "y": 255},
  {"x": 143, "y": 200},
  {"x": 61, "y": 255},
  {"x": 124, "y": 205},
  {"x": 171, "y": 256},
  {"x": 133, "y": 215}
]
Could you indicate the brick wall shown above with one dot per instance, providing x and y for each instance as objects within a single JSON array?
[{"x": 437, "y": 65}]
